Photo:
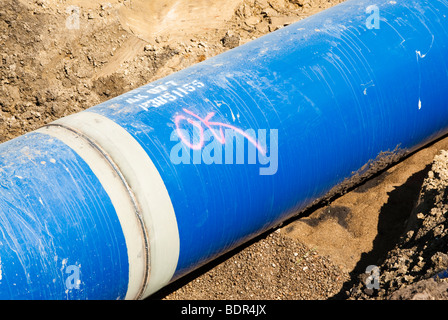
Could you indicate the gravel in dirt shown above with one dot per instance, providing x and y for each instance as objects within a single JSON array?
[{"x": 274, "y": 267}]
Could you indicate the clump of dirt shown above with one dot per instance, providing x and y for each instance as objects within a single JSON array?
[
  {"x": 410, "y": 270},
  {"x": 428, "y": 289}
]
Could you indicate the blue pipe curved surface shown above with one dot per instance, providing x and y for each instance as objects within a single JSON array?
[{"x": 121, "y": 199}]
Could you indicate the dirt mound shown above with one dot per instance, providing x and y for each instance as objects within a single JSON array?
[{"x": 274, "y": 267}]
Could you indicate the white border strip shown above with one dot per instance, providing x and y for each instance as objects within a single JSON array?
[{"x": 153, "y": 200}]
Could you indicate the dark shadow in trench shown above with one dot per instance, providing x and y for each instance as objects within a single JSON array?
[{"x": 391, "y": 225}]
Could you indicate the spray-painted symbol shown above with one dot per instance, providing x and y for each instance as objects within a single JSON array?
[
  {"x": 219, "y": 135},
  {"x": 373, "y": 21},
  {"x": 373, "y": 280}
]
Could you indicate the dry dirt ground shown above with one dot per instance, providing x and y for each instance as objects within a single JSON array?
[{"x": 59, "y": 57}]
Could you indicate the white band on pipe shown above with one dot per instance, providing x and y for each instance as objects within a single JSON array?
[
  {"x": 152, "y": 269},
  {"x": 120, "y": 199}
]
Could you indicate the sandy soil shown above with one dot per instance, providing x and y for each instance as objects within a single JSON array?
[{"x": 60, "y": 57}]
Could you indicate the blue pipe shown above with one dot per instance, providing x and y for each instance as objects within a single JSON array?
[{"x": 117, "y": 201}]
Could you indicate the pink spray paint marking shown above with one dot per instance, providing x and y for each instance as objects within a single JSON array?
[{"x": 207, "y": 123}]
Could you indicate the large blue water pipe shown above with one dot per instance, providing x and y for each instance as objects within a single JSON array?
[{"x": 119, "y": 200}]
